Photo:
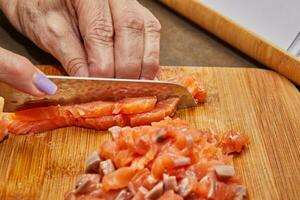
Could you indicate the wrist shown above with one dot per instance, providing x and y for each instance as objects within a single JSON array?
[
  {"x": 9, "y": 9},
  {"x": 3, "y": 4}
]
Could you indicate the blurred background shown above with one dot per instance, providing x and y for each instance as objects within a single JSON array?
[{"x": 182, "y": 43}]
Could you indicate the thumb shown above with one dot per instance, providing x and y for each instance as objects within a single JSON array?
[{"x": 21, "y": 74}]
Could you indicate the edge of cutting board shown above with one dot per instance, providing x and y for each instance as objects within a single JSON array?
[
  {"x": 258, "y": 102},
  {"x": 238, "y": 36}
]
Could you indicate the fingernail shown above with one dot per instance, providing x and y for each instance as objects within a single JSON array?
[{"x": 44, "y": 84}]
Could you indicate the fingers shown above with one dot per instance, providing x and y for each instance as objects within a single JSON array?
[
  {"x": 150, "y": 64},
  {"x": 96, "y": 28},
  {"x": 129, "y": 38},
  {"x": 61, "y": 40},
  {"x": 18, "y": 72}
]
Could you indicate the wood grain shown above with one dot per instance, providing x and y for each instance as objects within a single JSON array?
[
  {"x": 260, "y": 103},
  {"x": 245, "y": 40}
]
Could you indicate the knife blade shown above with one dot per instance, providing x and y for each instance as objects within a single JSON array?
[{"x": 75, "y": 90}]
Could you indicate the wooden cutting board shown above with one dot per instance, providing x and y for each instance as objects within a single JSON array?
[{"x": 260, "y": 103}]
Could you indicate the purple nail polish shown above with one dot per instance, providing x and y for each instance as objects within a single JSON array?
[{"x": 44, "y": 84}]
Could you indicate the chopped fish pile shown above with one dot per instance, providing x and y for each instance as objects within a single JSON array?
[{"x": 167, "y": 160}]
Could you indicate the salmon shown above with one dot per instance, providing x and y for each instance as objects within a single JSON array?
[
  {"x": 3, "y": 124},
  {"x": 170, "y": 194},
  {"x": 99, "y": 115},
  {"x": 196, "y": 88},
  {"x": 82, "y": 116},
  {"x": 131, "y": 106},
  {"x": 118, "y": 179},
  {"x": 233, "y": 142},
  {"x": 89, "y": 110},
  {"x": 171, "y": 160},
  {"x": 163, "y": 109}
]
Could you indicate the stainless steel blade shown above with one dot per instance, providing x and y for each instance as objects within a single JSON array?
[{"x": 73, "y": 90}]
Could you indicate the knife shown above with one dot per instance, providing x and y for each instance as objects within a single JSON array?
[{"x": 75, "y": 90}]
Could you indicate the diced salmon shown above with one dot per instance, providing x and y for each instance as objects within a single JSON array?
[
  {"x": 141, "y": 162},
  {"x": 197, "y": 89},
  {"x": 123, "y": 158},
  {"x": 161, "y": 164},
  {"x": 138, "y": 196},
  {"x": 163, "y": 109},
  {"x": 108, "y": 150},
  {"x": 170, "y": 195},
  {"x": 233, "y": 142},
  {"x": 169, "y": 160},
  {"x": 118, "y": 179},
  {"x": 140, "y": 179}
]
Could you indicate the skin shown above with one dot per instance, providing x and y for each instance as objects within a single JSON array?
[{"x": 98, "y": 38}]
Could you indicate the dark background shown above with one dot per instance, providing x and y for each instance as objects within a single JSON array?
[{"x": 182, "y": 43}]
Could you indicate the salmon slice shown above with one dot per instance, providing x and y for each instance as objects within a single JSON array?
[
  {"x": 163, "y": 109},
  {"x": 18, "y": 127},
  {"x": 100, "y": 115},
  {"x": 20, "y": 124},
  {"x": 101, "y": 123},
  {"x": 131, "y": 106},
  {"x": 89, "y": 110}
]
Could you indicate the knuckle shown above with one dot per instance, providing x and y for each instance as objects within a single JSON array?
[
  {"x": 74, "y": 65},
  {"x": 131, "y": 21},
  {"x": 129, "y": 69},
  {"x": 101, "y": 71},
  {"x": 152, "y": 59},
  {"x": 100, "y": 32},
  {"x": 153, "y": 26},
  {"x": 153, "y": 64}
]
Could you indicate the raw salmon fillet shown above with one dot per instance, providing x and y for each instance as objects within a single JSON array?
[
  {"x": 20, "y": 126},
  {"x": 167, "y": 160},
  {"x": 98, "y": 115}
]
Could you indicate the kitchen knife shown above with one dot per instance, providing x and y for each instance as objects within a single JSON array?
[{"x": 74, "y": 90}]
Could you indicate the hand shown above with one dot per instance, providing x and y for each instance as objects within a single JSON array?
[
  {"x": 103, "y": 38},
  {"x": 19, "y": 72}
]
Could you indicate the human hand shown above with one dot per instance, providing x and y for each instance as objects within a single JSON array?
[
  {"x": 103, "y": 38},
  {"x": 20, "y": 73}
]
